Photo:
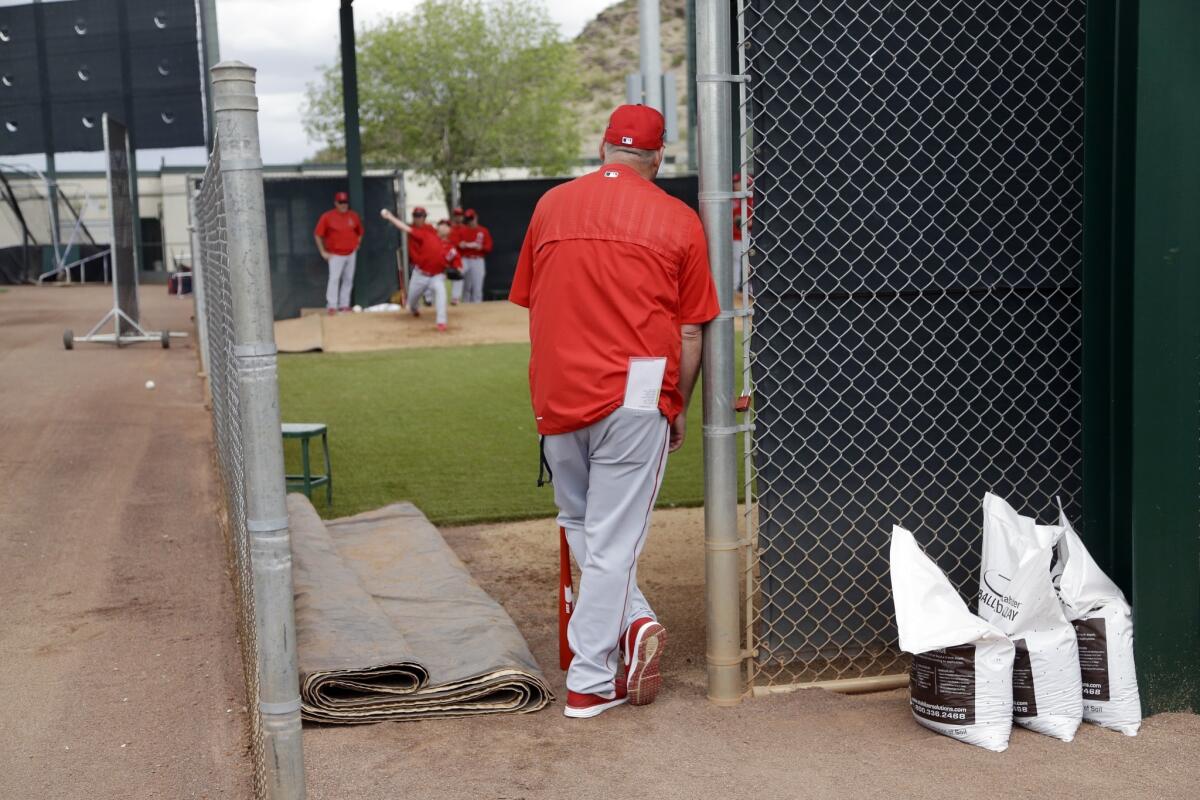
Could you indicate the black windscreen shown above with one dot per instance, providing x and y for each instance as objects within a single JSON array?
[{"x": 137, "y": 60}]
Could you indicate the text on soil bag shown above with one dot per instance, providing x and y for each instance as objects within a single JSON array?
[
  {"x": 1024, "y": 697},
  {"x": 942, "y": 684},
  {"x": 1093, "y": 657}
]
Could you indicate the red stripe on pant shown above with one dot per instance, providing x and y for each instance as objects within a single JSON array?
[{"x": 566, "y": 600}]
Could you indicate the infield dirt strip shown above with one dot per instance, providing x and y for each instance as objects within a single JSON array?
[{"x": 119, "y": 663}]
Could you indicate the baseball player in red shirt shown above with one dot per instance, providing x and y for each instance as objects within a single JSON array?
[
  {"x": 615, "y": 275},
  {"x": 338, "y": 233},
  {"x": 474, "y": 242},
  {"x": 432, "y": 254}
]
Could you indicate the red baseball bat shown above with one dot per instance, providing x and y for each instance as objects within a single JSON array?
[{"x": 566, "y": 599}]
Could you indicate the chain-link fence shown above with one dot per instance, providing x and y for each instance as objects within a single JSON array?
[
  {"x": 914, "y": 253},
  {"x": 233, "y": 301}
]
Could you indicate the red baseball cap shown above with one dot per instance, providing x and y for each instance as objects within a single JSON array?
[
  {"x": 457, "y": 211},
  {"x": 341, "y": 197},
  {"x": 418, "y": 212},
  {"x": 635, "y": 126},
  {"x": 470, "y": 213}
]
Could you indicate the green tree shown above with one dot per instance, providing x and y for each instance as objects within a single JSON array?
[{"x": 455, "y": 87}]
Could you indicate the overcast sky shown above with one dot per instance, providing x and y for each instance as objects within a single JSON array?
[{"x": 288, "y": 41}]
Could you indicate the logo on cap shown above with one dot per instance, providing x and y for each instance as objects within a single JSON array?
[
  {"x": 626, "y": 140},
  {"x": 611, "y": 173}
]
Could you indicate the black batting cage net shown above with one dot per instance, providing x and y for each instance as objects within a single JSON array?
[
  {"x": 916, "y": 294},
  {"x": 298, "y": 273},
  {"x": 505, "y": 208}
]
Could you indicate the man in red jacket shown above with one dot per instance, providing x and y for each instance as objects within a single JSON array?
[
  {"x": 474, "y": 242},
  {"x": 614, "y": 272},
  {"x": 338, "y": 234}
]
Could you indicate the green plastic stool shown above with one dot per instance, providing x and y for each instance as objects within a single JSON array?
[{"x": 306, "y": 482}]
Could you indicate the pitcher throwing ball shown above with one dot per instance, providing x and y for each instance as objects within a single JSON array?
[
  {"x": 614, "y": 272},
  {"x": 432, "y": 255}
]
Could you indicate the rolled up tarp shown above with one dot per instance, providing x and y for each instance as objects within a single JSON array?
[{"x": 391, "y": 625}]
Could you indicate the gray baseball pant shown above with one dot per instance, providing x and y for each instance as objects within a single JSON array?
[
  {"x": 341, "y": 280},
  {"x": 473, "y": 273},
  {"x": 420, "y": 283},
  {"x": 606, "y": 479}
]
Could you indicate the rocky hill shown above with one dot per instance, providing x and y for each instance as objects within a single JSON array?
[{"x": 608, "y": 51}]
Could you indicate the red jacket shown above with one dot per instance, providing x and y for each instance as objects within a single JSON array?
[
  {"x": 434, "y": 254},
  {"x": 340, "y": 230},
  {"x": 472, "y": 242},
  {"x": 415, "y": 239},
  {"x": 611, "y": 267}
]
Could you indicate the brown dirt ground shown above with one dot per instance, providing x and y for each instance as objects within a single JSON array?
[
  {"x": 119, "y": 665},
  {"x": 810, "y": 744},
  {"x": 478, "y": 323},
  {"x": 494, "y": 322}
]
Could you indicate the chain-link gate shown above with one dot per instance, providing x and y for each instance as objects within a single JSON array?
[
  {"x": 914, "y": 258},
  {"x": 233, "y": 301}
]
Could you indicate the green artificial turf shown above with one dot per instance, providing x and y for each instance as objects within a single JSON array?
[{"x": 449, "y": 429}]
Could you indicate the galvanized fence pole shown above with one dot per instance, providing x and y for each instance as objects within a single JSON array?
[
  {"x": 722, "y": 547},
  {"x": 236, "y": 110}
]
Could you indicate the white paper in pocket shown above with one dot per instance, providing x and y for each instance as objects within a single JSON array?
[{"x": 643, "y": 382}]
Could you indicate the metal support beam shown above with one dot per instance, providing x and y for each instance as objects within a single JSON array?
[
  {"x": 1165, "y": 300},
  {"x": 650, "y": 44},
  {"x": 39, "y": 27},
  {"x": 354, "y": 170},
  {"x": 722, "y": 549},
  {"x": 211, "y": 51},
  {"x": 690, "y": 22}
]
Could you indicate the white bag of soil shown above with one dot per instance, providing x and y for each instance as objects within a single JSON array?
[
  {"x": 1017, "y": 594},
  {"x": 960, "y": 684},
  {"x": 1103, "y": 624}
]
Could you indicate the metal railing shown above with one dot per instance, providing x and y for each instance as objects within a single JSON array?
[
  {"x": 915, "y": 295},
  {"x": 233, "y": 300}
]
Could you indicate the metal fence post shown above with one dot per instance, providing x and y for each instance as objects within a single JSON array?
[
  {"x": 253, "y": 347},
  {"x": 722, "y": 562}
]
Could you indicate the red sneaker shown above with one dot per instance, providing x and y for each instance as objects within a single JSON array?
[
  {"x": 344, "y": 310},
  {"x": 332, "y": 311},
  {"x": 416, "y": 312},
  {"x": 441, "y": 327},
  {"x": 642, "y": 646},
  {"x": 582, "y": 706}
]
